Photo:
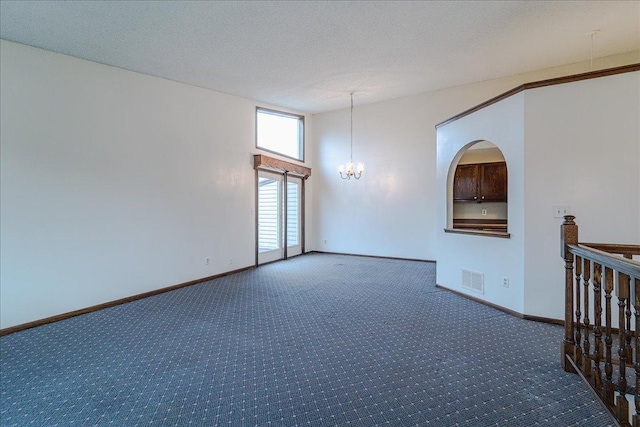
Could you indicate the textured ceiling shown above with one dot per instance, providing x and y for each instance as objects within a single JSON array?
[{"x": 308, "y": 55}]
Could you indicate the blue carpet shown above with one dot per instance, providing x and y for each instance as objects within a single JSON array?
[{"x": 318, "y": 340}]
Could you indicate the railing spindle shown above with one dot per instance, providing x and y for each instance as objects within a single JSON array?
[
  {"x": 622, "y": 405},
  {"x": 568, "y": 236},
  {"x": 636, "y": 309},
  {"x": 578, "y": 277},
  {"x": 608, "y": 339},
  {"x": 629, "y": 333},
  {"x": 597, "y": 328},
  {"x": 586, "y": 347}
]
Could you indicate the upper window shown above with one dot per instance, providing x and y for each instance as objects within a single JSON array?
[{"x": 281, "y": 133}]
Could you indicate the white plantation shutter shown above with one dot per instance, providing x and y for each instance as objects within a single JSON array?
[
  {"x": 293, "y": 214},
  {"x": 268, "y": 227}
]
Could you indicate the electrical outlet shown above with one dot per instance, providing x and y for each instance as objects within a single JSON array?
[
  {"x": 325, "y": 241},
  {"x": 207, "y": 260},
  {"x": 484, "y": 212},
  {"x": 230, "y": 261},
  {"x": 561, "y": 211},
  {"x": 505, "y": 282}
]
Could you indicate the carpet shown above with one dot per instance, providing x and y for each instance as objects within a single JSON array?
[{"x": 317, "y": 340}]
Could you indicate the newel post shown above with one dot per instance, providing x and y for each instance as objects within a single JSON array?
[{"x": 568, "y": 236}]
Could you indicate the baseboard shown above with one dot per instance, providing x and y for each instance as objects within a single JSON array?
[
  {"x": 543, "y": 319},
  {"x": 58, "y": 317},
  {"x": 504, "y": 309},
  {"x": 372, "y": 256}
]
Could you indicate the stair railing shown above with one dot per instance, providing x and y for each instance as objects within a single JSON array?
[{"x": 596, "y": 274}]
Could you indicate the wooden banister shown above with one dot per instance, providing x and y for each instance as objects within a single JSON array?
[
  {"x": 627, "y": 251},
  {"x": 623, "y": 265},
  {"x": 595, "y": 275}
]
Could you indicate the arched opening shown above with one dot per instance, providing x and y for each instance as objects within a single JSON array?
[{"x": 478, "y": 188}]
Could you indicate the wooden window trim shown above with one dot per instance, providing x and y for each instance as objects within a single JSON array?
[
  {"x": 484, "y": 233},
  {"x": 260, "y": 161}
]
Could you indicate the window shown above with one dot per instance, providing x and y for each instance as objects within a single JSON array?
[{"x": 280, "y": 133}]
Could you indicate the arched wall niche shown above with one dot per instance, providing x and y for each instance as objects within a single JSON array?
[{"x": 477, "y": 189}]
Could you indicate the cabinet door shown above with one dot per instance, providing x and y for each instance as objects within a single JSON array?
[
  {"x": 465, "y": 183},
  {"x": 493, "y": 182}
]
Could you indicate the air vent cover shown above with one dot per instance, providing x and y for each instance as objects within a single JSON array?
[{"x": 473, "y": 280}]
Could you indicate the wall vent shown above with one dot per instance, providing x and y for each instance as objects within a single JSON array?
[{"x": 473, "y": 280}]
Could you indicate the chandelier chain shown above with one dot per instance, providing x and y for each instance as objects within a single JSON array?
[
  {"x": 592, "y": 51},
  {"x": 349, "y": 170},
  {"x": 351, "y": 136},
  {"x": 591, "y": 35}
]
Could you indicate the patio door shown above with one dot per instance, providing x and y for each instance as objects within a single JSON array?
[
  {"x": 280, "y": 219},
  {"x": 294, "y": 216}
]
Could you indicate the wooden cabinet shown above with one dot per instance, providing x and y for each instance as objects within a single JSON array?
[
  {"x": 480, "y": 182},
  {"x": 465, "y": 183},
  {"x": 493, "y": 182}
]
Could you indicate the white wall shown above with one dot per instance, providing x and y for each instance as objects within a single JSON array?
[
  {"x": 114, "y": 183},
  {"x": 376, "y": 214},
  {"x": 494, "y": 257},
  {"x": 481, "y": 155},
  {"x": 582, "y": 149},
  {"x": 575, "y": 144},
  {"x": 466, "y": 210},
  {"x": 391, "y": 210}
]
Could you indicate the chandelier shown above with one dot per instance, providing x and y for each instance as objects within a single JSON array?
[{"x": 347, "y": 170}]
